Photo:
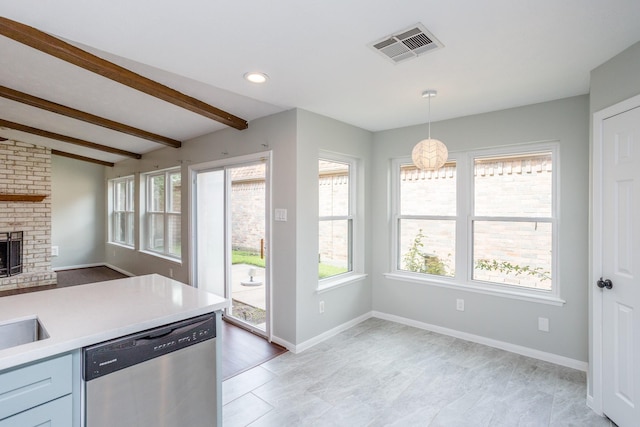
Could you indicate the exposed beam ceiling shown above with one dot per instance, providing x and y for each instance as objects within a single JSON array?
[
  {"x": 76, "y": 56},
  {"x": 65, "y": 138},
  {"x": 83, "y": 158},
  {"x": 498, "y": 54},
  {"x": 24, "y": 98}
]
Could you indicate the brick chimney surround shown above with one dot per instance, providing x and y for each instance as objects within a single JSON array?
[{"x": 25, "y": 177}]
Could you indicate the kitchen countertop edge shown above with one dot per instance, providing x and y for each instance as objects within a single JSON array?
[{"x": 83, "y": 315}]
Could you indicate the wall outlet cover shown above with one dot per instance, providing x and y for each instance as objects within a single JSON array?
[{"x": 543, "y": 324}]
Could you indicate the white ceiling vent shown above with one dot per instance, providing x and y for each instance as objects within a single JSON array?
[{"x": 407, "y": 44}]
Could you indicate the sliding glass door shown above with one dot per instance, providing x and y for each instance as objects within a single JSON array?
[{"x": 231, "y": 227}]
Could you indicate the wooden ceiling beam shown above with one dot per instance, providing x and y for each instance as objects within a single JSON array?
[
  {"x": 68, "y": 139},
  {"x": 62, "y": 50},
  {"x": 43, "y": 104},
  {"x": 83, "y": 158}
]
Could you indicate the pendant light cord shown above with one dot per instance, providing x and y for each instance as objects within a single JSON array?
[{"x": 430, "y": 116}]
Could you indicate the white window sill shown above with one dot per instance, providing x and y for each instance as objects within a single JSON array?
[
  {"x": 338, "y": 282},
  {"x": 121, "y": 245},
  {"x": 165, "y": 257},
  {"x": 481, "y": 289}
]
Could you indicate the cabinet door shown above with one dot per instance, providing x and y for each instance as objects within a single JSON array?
[
  {"x": 32, "y": 385},
  {"x": 57, "y": 413}
]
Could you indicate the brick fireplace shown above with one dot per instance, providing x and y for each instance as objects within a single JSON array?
[{"x": 25, "y": 178}]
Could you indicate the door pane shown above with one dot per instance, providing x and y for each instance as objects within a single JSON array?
[
  {"x": 247, "y": 210},
  {"x": 210, "y": 232}
]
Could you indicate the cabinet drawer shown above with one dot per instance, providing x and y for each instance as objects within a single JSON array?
[
  {"x": 57, "y": 413},
  {"x": 33, "y": 385}
]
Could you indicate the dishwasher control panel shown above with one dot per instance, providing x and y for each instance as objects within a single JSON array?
[{"x": 111, "y": 356}]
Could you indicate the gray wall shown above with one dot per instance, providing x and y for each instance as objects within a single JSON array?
[
  {"x": 612, "y": 82},
  {"x": 295, "y": 138},
  {"x": 345, "y": 303},
  {"x": 78, "y": 209},
  {"x": 508, "y": 320},
  {"x": 616, "y": 79},
  {"x": 276, "y": 133}
]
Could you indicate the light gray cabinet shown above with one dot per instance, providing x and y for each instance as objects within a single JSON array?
[
  {"x": 37, "y": 393},
  {"x": 57, "y": 413}
]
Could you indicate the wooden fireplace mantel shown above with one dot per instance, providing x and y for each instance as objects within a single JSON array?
[{"x": 22, "y": 197}]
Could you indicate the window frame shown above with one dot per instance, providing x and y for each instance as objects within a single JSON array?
[
  {"x": 463, "y": 278},
  {"x": 356, "y": 256},
  {"x": 166, "y": 214},
  {"x": 129, "y": 211}
]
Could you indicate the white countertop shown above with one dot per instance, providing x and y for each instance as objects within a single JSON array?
[{"x": 78, "y": 316}]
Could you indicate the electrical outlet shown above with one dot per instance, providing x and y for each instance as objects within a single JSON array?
[
  {"x": 55, "y": 251},
  {"x": 171, "y": 273},
  {"x": 321, "y": 307},
  {"x": 460, "y": 304},
  {"x": 543, "y": 324}
]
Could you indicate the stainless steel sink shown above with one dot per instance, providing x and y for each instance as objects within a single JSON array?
[{"x": 20, "y": 332}]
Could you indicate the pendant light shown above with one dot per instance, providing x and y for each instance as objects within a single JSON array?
[{"x": 429, "y": 154}]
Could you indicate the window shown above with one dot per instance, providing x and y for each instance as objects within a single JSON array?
[
  {"x": 512, "y": 220},
  {"x": 122, "y": 211},
  {"x": 163, "y": 217},
  {"x": 336, "y": 219},
  {"x": 427, "y": 220},
  {"x": 486, "y": 220}
]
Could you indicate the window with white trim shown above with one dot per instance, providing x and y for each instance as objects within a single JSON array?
[
  {"x": 486, "y": 220},
  {"x": 335, "y": 217},
  {"x": 163, "y": 212},
  {"x": 122, "y": 224}
]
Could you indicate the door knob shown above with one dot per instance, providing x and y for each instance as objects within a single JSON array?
[{"x": 605, "y": 283}]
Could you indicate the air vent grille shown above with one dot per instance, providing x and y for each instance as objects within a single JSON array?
[{"x": 407, "y": 44}]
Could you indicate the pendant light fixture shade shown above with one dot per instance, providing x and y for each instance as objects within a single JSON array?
[{"x": 429, "y": 154}]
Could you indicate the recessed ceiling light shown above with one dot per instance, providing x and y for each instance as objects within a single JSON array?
[{"x": 256, "y": 77}]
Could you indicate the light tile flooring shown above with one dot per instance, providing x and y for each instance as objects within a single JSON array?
[{"x": 381, "y": 373}]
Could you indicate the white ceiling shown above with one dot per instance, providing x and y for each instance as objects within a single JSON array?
[{"x": 498, "y": 54}]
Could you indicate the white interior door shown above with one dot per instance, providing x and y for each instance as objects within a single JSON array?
[{"x": 621, "y": 268}]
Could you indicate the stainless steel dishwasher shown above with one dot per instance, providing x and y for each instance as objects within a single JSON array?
[{"x": 160, "y": 377}]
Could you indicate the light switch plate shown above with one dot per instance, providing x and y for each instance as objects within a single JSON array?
[{"x": 281, "y": 215}]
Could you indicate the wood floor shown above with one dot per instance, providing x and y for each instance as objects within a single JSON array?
[{"x": 241, "y": 350}]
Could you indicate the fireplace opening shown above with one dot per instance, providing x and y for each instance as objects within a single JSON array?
[{"x": 10, "y": 253}]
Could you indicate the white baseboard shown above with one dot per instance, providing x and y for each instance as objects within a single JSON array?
[
  {"x": 284, "y": 343},
  {"x": 322, "y": 337},
  {"x": 119, "y": 270},
  {"x": 513, "y": 348},
  {"x": 74, "y": 267},
  {"x": 99, "y": 264}
]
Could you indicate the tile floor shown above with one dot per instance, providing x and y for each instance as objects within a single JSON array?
[{"x": 382, "y": 373}]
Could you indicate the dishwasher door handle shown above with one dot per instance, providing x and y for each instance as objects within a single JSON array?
[{"x": 149, "y": 339}]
